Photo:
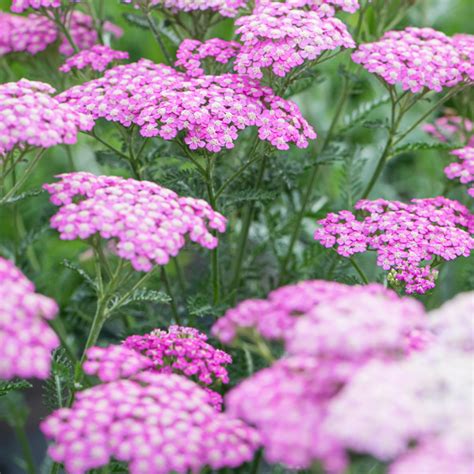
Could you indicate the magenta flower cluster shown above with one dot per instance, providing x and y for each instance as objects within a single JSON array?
[
  {"x": 26, "y": 340},
  {"x": 148, "y": 223},
  {"x": 451, "y": 128},
  {"x": 96, "y": 58},
  {"x": 192, "y": 53},
  {"x": 30, "y": 116},
  {"x": 34, "y": 33},
  {"x": 281, "y": 37},
  {"x": 463, "y": 169},
  {"x": 210, "y": 110},
  {"x": 406, "y": 237},
  {"x": 417, "y": 58},
  {"x": 154, "y": 422},
  {"x": 20, "y": 6},
  {"x": 180, "y": 350}
]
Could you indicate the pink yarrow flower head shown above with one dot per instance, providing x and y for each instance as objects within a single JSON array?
[
  {"x": 335, "y": 324},
  {"x": 451, "y": 128},
  {"x": 147, "y": 223},
  {"x": 452, "y": 323},
  {"x": 416, "y": 58},
  {"x": 463, "y": 169},
  {"x": 226, "y": 8},
  {"x": 209, "y": 110},
  {"x": 389, "y": 406},
  {"x": 158, "y": 423},
  {"x": 192, "y": 53},
  {"x": 323, "y": 7},
  {"x": 97, "y": 58},
  {"x": 25, "y": 34},
  {"x": 287, "y": 404},
  {"x": 31, "y": 116},
  {"x": 406, "y": 237},
  {"x": 180, "y": 350},
  {"x": 281, "y": 38},
  {"x": 19, "y": 6},
  {"x": 26, "y": 340}
]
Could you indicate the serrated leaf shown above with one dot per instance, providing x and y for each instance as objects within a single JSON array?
[
  {"x": 57, "y": 388},
  {"x": 416, "y": 146},
  {"x": 31, "y": 237},
  {"x": 248, "y": 195},
  {"x": 139, "y": 296},
  {"x": 7, "y": 386},
  {"x": 136, "y": 20},
  {"x": 378, "y": 123},
  {"x": 362, "y": 112},
  {"x": 22, "y": 196},
  {"x": 72, "y": 266}
]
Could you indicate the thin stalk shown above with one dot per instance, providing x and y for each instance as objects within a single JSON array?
[
  {"x": 359, "y": 270},
  {"x": 25, "y": 447},
  {"x": 174, "y": 308},
  {"x": 157, "y": 35},
  {"x": 256, "y": 462},
  {"x": 245, "y": 232},
  {"x": 26, "y": 174},
  {"x": 109, "y": 146},
  {"x": 97, "y": 324},
  {"x": 312, "y": 180}
]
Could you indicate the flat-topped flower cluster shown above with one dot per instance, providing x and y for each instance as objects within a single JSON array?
[
  {"x": 406, "y": 237},
  {"x": 147, "y": 222},
  {"x": 26, "y": 340},
  {"x": 31, "y": 116},
  {"x": 419, "y": 58},
  {"x": 209, "y": 110}
]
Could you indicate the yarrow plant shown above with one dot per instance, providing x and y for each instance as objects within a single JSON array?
[
  {"x": 407, "y": 237},
  {"x": 243, "y": 196},
  {"x": 26, "y": 340}
]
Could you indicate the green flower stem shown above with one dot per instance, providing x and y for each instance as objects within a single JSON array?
[
  {"x": 246, "y": 223},
  {"x": 174, "y": 307},
  {"x": 157, "y": 35},
  {"x": 26, "y": 174},
  {"x": 359, "y": 270},
  {"x": 26, "y": 448},
  {"x": 312, "y": 180}
]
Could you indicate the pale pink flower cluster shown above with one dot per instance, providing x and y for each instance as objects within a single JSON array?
[
  {"x": 19, "y": 6},
  {"x": 332, "y": 331},
  {"x": 291, "y": 310},
  {"x": 34, "y": 33},
  {"x": 226, "y": 8},
  {"x": 417, "y": 58},
  {"x": 26, "y": 340},
  {"x": 31, "y": 116},
  {"x": 192, "y": 53},
  {"x": 148, "y": 223},
  {"x": 210, "y": 110},
  {"x": 30, "y": 34},
  {"x": 282, "y": 38},
  {"x": 464, "y": 43},
  {"x": 451, "y": 128},
  {"x": 96, "y": 58},
  {"x": 406, "y": 237},
  {"x": 388, "y": 406},
  {"x": 463, "y": 169},
  {"x": 180, "y": 350},
  {"x": 156, "y": 423}
]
